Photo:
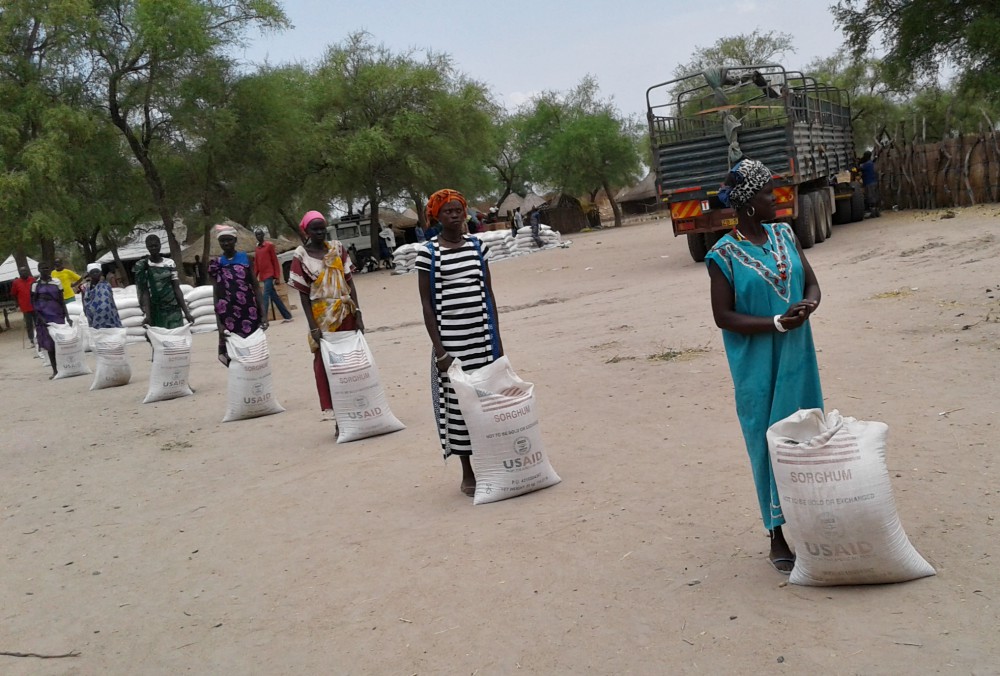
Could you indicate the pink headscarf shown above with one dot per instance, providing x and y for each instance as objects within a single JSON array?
[{"x": 309, "y": 218}]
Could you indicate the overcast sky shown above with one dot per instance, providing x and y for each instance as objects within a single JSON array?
[{"x": 519, "y": 47}]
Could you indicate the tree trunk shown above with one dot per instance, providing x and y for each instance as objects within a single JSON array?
[
  {"x": 21, "y": 257},
  {"x": 614, "y": 205},
  {"x": 206, "y": 250},
  {"x": 373, "y": 201},
  {"x": 419, "y": 206},
  {"x": 48, "y": 249},
  {"x": 292, "y": 225}
]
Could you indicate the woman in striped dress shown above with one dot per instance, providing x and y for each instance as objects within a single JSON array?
[{"x": 460, "y": 316}]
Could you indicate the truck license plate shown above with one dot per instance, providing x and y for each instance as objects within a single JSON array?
[{"x": 730, "y": 222}]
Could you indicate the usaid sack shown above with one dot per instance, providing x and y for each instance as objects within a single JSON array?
[
  {"x": 69, "y": 351},
  {"x": 251, "y": 392},
  {"x": 507, "y": 452},
  {"x": 168, "y": 377},
  {"x": 837, "y": 500},
  {"x": 112, "y": 369},
  {"x": 359, "y": 402}
]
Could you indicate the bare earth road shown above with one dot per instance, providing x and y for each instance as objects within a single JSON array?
[{"x": 156, "y": 540}]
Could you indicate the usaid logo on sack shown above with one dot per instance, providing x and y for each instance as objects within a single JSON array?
[
  {"x": 364, "y": 412},
  {"x": 522, "y": 445},
  {"x": 257, "y": 395}
]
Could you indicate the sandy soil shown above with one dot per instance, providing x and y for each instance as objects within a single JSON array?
[{"x": 156, "y": 540}]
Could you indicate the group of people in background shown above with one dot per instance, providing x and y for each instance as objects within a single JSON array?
[{"x": 763, "y": 292}]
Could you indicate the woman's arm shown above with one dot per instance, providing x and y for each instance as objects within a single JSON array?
[
  {"x": 264, "y": 323},
  {"x": 496, "y": 317},
  {"x": 441, "y": 355},
  {"x": 179, "y": 295},
  {"x": 357, "y": 313},
  {"x": 724, "y": 307}
]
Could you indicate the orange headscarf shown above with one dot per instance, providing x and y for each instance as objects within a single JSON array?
[{"x": 439, "y": 199}]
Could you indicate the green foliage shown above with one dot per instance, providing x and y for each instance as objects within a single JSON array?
[
  {"x": 390, "y": 124},
  {"x": 754, "y": 48},
  {"x": 920, "y": 37},
  {"x": 580, "y": 143}
]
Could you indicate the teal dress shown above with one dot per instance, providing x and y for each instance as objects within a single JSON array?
[{"x": 774, "y": 374}]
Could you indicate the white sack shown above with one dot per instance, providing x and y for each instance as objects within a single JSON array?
[
  {"x": 168, "y": 376},
  {"x": 203, "y": 311},
  {"x": 112, "y": 368},
  {"x": 499, "y": 409},
  {"x": 198, "y": 293},
  {"x": 204, "y": 328},
  {"x": 69, "y": 351},
  {"x": 251, "y": 391},
  {"x": 837, "y": 501},
  {"x": 131, "y": 312},
  {"x": 359, "y": 402}
]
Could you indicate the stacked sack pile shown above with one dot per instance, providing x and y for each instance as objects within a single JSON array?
[
  {"x": 127, "y": 302},
  {"x": 404, "y": 257},
  {"x": 501, "y": 244},
  {"x": 201, "y": 303},
  {"x": 525, "y": 243}
]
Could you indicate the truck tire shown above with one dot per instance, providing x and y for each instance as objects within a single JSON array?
[
  {"x": 842, "y": 214},
  {"x": 857, "y": 204},
  {"x": 697, "y": 246},
  {"x": 805, "y": 224},
  {"x": 821, "y": 211}
]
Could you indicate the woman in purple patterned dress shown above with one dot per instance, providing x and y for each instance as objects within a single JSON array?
[{"x": 238, "y": 303}]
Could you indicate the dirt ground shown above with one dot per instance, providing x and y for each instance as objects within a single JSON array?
[{"x": 153, "y": 539}]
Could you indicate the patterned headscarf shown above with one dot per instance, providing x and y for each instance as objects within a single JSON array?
[
  {"x": 309, "y": 218},
  {"x": 751, "y": 176},
  {"x": 223, "y": 230},
  {"x": 439, "y": 199}
]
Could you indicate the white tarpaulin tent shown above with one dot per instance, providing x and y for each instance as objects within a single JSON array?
[{"x": 8, "y": 271}]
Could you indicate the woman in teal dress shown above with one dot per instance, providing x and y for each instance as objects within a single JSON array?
[{"x": 763, "y": 292}]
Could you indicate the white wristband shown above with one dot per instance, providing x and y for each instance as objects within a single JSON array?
[{"x": 778, "y": 326}]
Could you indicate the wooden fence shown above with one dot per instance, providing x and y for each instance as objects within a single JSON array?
[{"x": 956, "y": 172}]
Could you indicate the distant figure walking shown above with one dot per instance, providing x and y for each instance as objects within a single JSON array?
[{"x": 268, "y": 271}]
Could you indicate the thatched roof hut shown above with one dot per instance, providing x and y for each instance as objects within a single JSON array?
[
  {"x": 640, "y": 198},
  {"x": 511, "y": 202},
  {"x": 565, "y": 214}
]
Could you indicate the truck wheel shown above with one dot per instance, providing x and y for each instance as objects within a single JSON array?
[
  {"x": 697, "y": 246},
  {"x": 843, "y": 212},
  {"x": 857, "y": 204},
  {"x": 820, "y": 210},
  {"x": 805, "y": 224}
]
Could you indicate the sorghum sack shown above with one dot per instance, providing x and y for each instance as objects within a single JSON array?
[
  {"x": 499, "y": 409},
  {"x": 251, "y": 389},
  {"x": 837, "y": 500},
  {"x": 112, "y": 368},
  {"x": 359, "y": 402},
  {"x": 168, "y": 377}
]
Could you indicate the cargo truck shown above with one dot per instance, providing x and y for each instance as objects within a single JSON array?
[{"x": 700, "y": 125}]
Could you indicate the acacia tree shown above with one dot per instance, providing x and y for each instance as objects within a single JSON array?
[
  {"x": 922, "y": 36},
  {"x": 580, "y": 143},
  {"x": 751, "y": 48},
  {"x": 38, "y": 91},
  {"x": 509, "y": 166},
  {"x": 143, "y": 50},
  {"x": 391, "y": 124}
]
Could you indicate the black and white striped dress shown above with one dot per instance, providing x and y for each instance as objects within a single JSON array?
[{"x": 462, "y": 308}]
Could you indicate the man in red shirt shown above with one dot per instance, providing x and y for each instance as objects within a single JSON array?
[
  {"x": 268, "y": 271},
  {"x": 20, "y": 289}
]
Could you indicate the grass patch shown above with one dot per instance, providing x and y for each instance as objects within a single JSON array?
[
  {"x": 675, "y": 355},
  {"x": 896, "y": 293},
  {"x": 618, "y": 358}
]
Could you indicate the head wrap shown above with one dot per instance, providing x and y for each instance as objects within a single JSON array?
[
  {"x": 223, "y": 230},
  {"x": 440, "y": 198},
  {"x": 309, "y": 218},
  {"x": 93, "y": 266},
  {"x": 750, "y": 177}
]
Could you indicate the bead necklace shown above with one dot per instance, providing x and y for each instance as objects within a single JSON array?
[{"x": 779, "y": 261}]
